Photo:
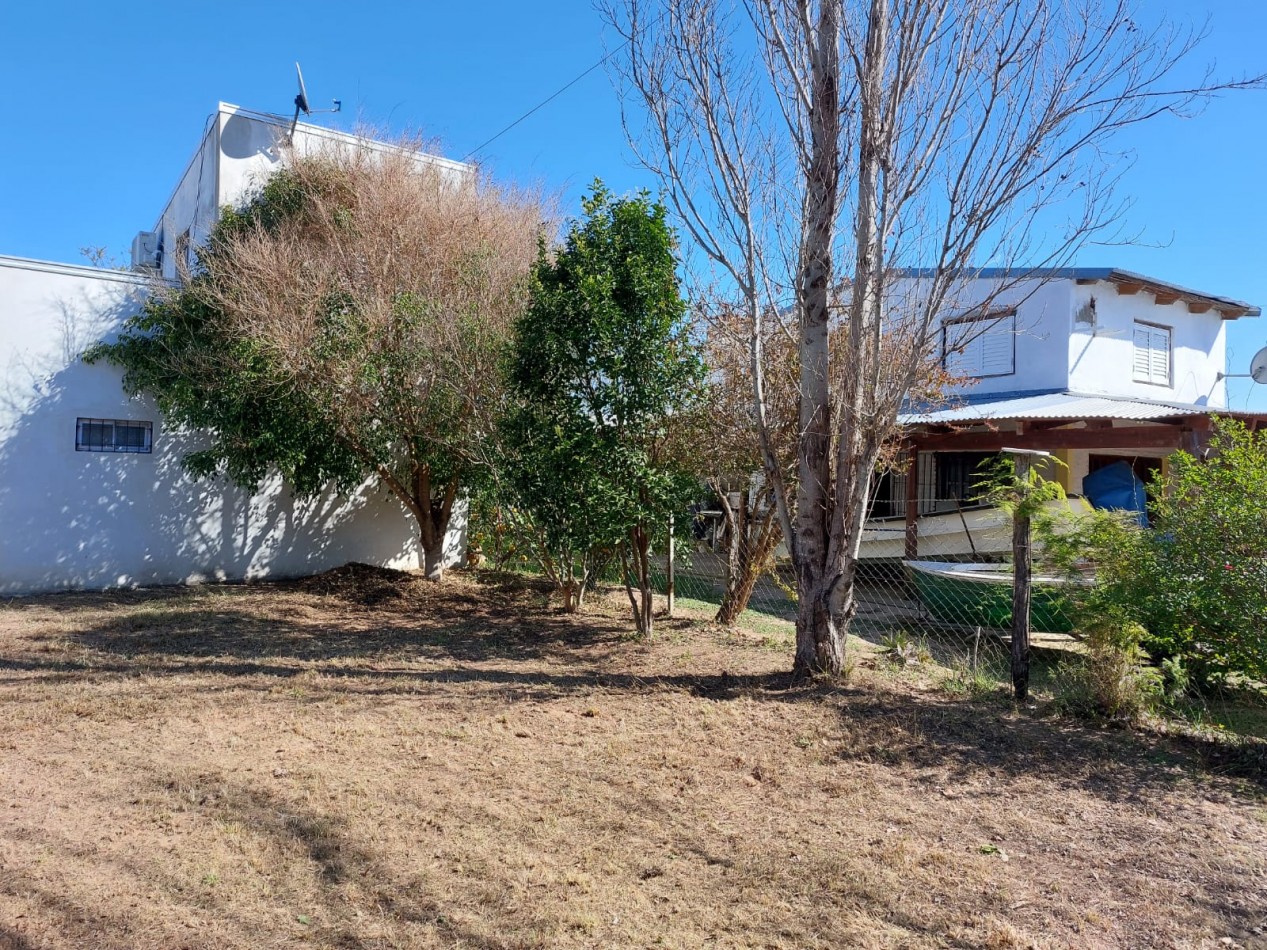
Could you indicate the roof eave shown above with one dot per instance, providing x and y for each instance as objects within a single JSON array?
[{"x": 1164, "y": 292}]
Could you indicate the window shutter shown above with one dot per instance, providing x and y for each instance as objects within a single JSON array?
[
  {"x": 981, "y": 347},
  {"x": 1151, "y": 358},
  {"x": 1143, "y": 363},
  {"x": 963, "y": 358},
  {"x": 1159, "y": 353},
  {"x": 997, "y": 347}
]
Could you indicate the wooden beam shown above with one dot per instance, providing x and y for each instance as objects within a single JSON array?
[
  {"x": 1124, "y": 437},
  {"x": 1200, "y": 306},
  {"x": 1161, "y": 298},
  {"x": 1129, "y": 288},
  {"x": 1036, "y": 425}
]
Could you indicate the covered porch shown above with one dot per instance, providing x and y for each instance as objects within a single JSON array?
[{"x": 1085, "y": 432}]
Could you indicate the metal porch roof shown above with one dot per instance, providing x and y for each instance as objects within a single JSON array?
[{"x": 1064, "y": 405}]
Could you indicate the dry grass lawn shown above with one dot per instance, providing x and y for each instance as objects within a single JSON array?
[{"x": 361, "y": 760}]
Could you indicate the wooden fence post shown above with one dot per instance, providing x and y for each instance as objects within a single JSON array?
[
  {"x": 671, "y": 581},
  {"x": 1021, "y": 570}
]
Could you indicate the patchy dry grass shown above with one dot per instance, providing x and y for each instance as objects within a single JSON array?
[{"x": 361, "y": 760}]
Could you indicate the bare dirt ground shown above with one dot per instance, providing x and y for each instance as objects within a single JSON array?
[{"x": 361, "y": 760}]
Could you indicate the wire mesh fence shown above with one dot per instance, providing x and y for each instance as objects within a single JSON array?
[{"x": 952, "y": 570}]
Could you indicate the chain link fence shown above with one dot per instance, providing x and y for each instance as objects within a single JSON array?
[{"x": 959, "y": 578}]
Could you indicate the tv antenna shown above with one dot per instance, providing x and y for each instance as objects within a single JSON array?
[
  {"x": 1257, "y": 369},
  {"x": 301, "y": 102}
]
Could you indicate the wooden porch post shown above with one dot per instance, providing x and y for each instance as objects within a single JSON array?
[{"x": 912, "y": 505}]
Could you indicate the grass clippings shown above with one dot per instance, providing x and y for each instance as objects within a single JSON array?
[{"x": 365, "y": 760}]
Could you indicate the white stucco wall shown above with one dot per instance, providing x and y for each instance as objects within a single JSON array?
[
  {"x": 73, "y": 519},
  {"x": 238, "y": 151},
  {"x": 194, "y": 205},
  {"x": 1054, "y": 351},
  {"x": 1100, "y": 357},
  {"x": 1042, "y": 329}
]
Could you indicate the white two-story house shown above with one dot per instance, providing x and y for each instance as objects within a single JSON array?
[
  {"x": 1095, "y": 365},
  {"x": 92, "y": 492}
]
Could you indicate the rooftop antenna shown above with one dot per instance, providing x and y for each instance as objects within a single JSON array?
[
  {"x": 1257, "y": 369},
  {"x": 301, "y": 102}
]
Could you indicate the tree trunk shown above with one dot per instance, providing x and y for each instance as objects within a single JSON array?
[
  {"x": 671, "y": 571},
  {"x": 643, "y": 541},
  {"x": 636, "y": 566},
  {"x": 818, "y": 645},
  {"x": 433, "y": 516},
  {"x": 840, "y": 505},
  {"x": 433, "y": 560},
  {"x": 820, "y": 642},
  {"x": 748, "y": 559}
]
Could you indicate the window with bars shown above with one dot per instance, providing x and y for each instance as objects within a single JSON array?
[
  {"x": 113, "y": 435},
  {"x": 1152, "y": 354},
  {"x": 980, "y": 346}
]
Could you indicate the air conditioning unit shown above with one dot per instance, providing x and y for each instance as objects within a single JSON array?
[{"x": 145, "y": 251}]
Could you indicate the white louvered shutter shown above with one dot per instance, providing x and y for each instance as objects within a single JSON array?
[
  {"x": 1159, "y": 356},
  {"x": 1151, "y": 358},
  {"x": 1142, "y": 361},
  {"x": 998, "y": 347},
  {"x": 982, "y": 347}
]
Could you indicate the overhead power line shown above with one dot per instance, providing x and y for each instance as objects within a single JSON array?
[{"x": 544, "y": 102}]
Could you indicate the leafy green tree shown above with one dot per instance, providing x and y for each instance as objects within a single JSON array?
[
  {"x": 344, "y": 325},
  {"x": 602, "y": 366}
]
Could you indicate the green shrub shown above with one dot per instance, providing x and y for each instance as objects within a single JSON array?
[
  {"x": 1207, "y": 558},
  {"x": 901, "y": 649},
  {"x": 1114, "y": 680},
  {"x": 1196, "y": 580}
]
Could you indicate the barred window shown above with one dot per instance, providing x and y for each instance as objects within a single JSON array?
[{"x": 113, "y": 435}]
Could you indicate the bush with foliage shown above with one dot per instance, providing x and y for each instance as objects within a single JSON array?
[
  {"x": 1207, "y": 560},
  {"x": 344, "y": 326},
  {"x": 1196, "y": 581},
  {"x": 1114, "y": 680},
  {"x": 601, "y": 368}
]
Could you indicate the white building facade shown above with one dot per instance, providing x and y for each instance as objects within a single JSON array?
[
  {"x": 92, "y": 492},
  {"x": 1095, "y": 331},
  {"x": 1099, "y": 366}
]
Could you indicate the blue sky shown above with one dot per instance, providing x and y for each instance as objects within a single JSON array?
[{"x": 105, "y": 103}]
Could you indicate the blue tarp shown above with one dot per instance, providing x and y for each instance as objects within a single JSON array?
[{"x": 1117, "y": 487}]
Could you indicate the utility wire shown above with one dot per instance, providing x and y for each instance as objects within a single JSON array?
[{"x": 543, "y": 102}]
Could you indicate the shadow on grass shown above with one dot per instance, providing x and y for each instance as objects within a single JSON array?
[
  {"x": 496, "y": 637},
  {"x": 342, "y": 866},
  {"x": 954, "y": 742},
  {"x": 346, "y": 874}
]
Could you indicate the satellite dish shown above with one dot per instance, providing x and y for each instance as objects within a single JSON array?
[
  {"x": 301, "y": 100},
  {"x": 1258, "y": 367}
]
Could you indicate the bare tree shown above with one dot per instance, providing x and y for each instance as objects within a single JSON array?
[
  {"x": 850, "y": 165},
  {"x": 732, "y": 466}
]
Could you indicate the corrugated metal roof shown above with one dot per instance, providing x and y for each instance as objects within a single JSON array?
[{"x": 1055, "y": 406}]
